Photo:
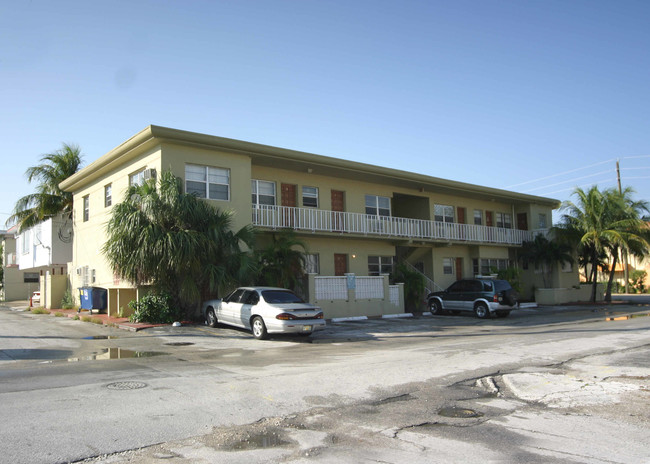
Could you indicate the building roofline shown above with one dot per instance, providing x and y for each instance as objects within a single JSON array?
[{"x": 153, "y": 135}]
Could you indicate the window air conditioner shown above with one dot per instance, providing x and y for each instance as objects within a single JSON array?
[{"x": 150, "y": 173}]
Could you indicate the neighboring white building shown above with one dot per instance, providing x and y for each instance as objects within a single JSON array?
[
  {"x": 46, "y": 245},
  {"x": 16, "y": 284},
  {"x": 42, "y": 254}
]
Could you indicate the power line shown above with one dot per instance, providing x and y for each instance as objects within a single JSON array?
[
  {"x": 567, "y": 181},
  {"x": 561, "y": 173}
]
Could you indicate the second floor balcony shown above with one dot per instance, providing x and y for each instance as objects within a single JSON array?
[{"x": 317, "y": 220}]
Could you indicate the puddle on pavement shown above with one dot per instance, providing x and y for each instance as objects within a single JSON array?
[
  {"x": 459, "y": 413},
  {"x": 179, "y": 344},
  {"x": 262, "y": 440},
  {"x": 101, "y": 337},
  {"x": 117, "y": 353},
  {"x": 393, "y": 399}
]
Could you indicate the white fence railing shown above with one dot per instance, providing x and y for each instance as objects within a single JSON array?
[
  {"x": 393, "y": 291},
  {"x": 331, "y": 288},
  {"x": 369, "y": 287},
  {"x": 336, "y": 221}
]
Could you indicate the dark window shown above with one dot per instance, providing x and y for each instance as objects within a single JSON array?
[
  {"x": 281, "y": 296},
  {"x": 474, "y": 286},
  {"x": 31, "y": 277}
]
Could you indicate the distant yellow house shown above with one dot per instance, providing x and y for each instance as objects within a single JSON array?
[{"x": 357, "y": 219}]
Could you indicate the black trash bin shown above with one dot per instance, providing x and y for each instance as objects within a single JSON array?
[{"x": 93, "y": 298}]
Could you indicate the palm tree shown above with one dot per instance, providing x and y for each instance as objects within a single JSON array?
[
  {"x": 604, "y": 222},
  {"x": 49, "y": 200},
  {"x": 626, "y": 216},
  {"x": 282, "y": 262},
  {"x": 176, "y": 242},
  {"x": 546, "y": 253}
]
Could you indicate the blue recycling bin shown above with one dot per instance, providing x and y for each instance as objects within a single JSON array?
[{"x": 93, "y": 298}]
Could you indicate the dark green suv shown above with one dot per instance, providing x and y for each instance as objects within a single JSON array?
[{"x": 485, "y": 297}]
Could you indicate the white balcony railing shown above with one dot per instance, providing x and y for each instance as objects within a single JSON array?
[{"x": 318, "y": 220}]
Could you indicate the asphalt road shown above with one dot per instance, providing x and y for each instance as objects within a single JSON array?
[{"x": 560, "y": 384}]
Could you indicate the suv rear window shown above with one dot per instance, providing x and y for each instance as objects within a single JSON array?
[{"x": 501, "y": 285}]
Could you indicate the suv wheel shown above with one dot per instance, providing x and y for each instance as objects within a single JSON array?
[
  {"x": 435, "y": 307},
  {"x": 482, "y": 311}
]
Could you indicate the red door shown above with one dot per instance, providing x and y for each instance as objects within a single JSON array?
[
  {"x": 459, "y": 268},
  {"x": 288, "y": 198},
  {"x": 489, "y": 221},
  {"x": 338, "y": 206},
  {"x": 340, "y": 264},
  {"x": 522, "y": 221}
]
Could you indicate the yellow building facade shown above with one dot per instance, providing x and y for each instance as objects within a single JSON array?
[{"x": 355, "y": 218}]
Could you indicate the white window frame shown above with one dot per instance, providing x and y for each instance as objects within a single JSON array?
[
  {"x": 377, "y": 205},
  {"x": 312, "y": 263},
  {"x": 255, "y": 188},
  {"x": 310, "y": 197},
  {"x": 541, "y": 221},
  {"x": 478, "y": 218},
  {"x": 108, "y": 195},
  {"x": 137, "y": 178},
  {"x": 379, "y": 265},
  {"x": 504, "y": 220},
  {"x": 210, "y": 176},
  {"x": 26, "y": 239},
  {"x": 448, "y": 265},
  {"x": 443, "y": 213},
  {"x": 86, "y": 208}
]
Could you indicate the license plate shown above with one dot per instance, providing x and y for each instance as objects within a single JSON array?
[{"x": 306, "y": 328}]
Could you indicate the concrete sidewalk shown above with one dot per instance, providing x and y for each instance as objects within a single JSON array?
[{"x": 119, "y": 322}]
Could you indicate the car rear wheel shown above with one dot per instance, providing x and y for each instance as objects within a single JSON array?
[
  {"x": 482, "y": 311},
  {"x": 258, "y": 327},
  {"x": 435, "y": 307},
  {"x": 211, "y": 318},
  {"x": 503, "y": 313}
]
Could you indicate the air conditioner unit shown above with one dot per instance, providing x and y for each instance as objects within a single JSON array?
[{"x": 150, "y": 173}]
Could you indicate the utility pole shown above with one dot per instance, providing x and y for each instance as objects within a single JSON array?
[{"x": 624, "y": 252}]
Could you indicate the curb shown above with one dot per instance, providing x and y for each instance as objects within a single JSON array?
[{"x": 625, "y": 317}]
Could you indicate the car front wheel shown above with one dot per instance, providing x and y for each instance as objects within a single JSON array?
[
  {"x": 259, "y": 329},
  {"x": 482, "y": 311},
  {"x": 211, "y": 318},
  {"x": 435, "y": 307}
]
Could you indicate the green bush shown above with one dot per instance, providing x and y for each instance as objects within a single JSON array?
[
  {"x": 414, "y": 287},
  {"x": 67, "y": 302},
  {"x": 152, "y": 308}
]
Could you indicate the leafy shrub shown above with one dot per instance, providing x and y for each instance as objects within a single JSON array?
[
  {"x": 58, "y": 314},
  {"x": 637, "y": 279},
  {"x": 414, "y": 286},
  {"x": 67, "y": 302},
  {"x": 152, "y": 308}
]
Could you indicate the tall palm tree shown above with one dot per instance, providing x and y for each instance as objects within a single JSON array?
[
  {"x": 626, "y": 215},
  {"x": 48, "y": 200},
  {"x": 176, "y": 242},
  {"x": 604, "y": 221}
]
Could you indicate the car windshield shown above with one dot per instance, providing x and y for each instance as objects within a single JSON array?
[{"x": 281, "y": 296}]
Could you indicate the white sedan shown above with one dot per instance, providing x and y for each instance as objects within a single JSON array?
[{"x": 264, "y": 310}]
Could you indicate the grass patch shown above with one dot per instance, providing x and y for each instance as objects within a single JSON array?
[
  {"x": 75, "y": 318},
  {"x": 39, "y": 310},
  {"x": 96, "y": 320},
  {"x": 58, "y": 314},
  {"x": 85, "y": 318}
]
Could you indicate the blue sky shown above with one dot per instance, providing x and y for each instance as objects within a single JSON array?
[{"x": 532, "y": 96}]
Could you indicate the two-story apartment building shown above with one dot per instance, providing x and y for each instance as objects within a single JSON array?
[{"x": 354, "y": 217}]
